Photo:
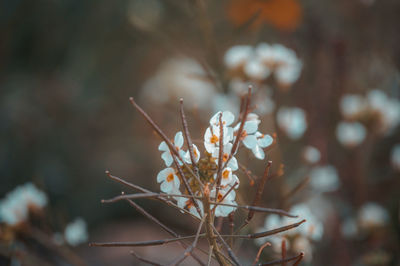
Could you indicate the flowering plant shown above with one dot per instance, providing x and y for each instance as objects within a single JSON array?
[{"x": 204, "y": 186}]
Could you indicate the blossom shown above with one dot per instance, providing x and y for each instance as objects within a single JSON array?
[
  {"x": 185, "y": 203},
  {"x": 14, "y": 208},
  {"x": 212, "y": 135},
  {"x": 237, "y": 56},
  {"x": 352, "y": 105},
  {"x": 196, "y": 155},
  {"x": 350, "y": 134},
  {"x": 263, "y": 141},
  {"x": 311, "y": 154},
  {"x": 324, "y": 178},
  {"x": 226, "y": 151},
  {"x": 75, "y": 233},
  {"x": 227, "y": 118},
  {"x": 292, "y": 121},
  {"x": 227, "y": 178},
  {"x": 221, "y": 210},
  {"x": 395, "y": 157},
  {"x": 167, "y": 154},
  {"x": 256, "y": 70},
  {"x": 169, "y": 180},
  {"x": 371, "y": 215},
  {"x": 247, "y": 136},
  {"x": 387, "y": 109}
]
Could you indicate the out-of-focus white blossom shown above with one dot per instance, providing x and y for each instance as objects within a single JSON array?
[
  {"x": 388, "y": 109},
  {"x": 292, "y": 121},
  {"x": 311, "y": 155},
  {"x": 395, "y": 157},
  {"x": 180, "y": 77},
  {"x": 324, "y": 178},
  {"x": 352, "y": 105},
  {"x": 75, "y": 233},
  {"x": 303, "y": 244},
  {"x": 14, "y": 208},
  {"x": 238, "y": 56},
  {"x": 221, "y": 210},
  {"x": 372, "y": 215},
  {"x": 350, "y": 134}
]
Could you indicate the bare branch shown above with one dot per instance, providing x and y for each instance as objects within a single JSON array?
[
  {"x": 144, "y": 260},
  {"x": 267, "y": 244},
  {"x": 275, "y": 262},
  {"x": 297, "y": 262}
]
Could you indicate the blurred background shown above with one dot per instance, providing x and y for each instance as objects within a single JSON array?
[{"x": 326, "y": 84}]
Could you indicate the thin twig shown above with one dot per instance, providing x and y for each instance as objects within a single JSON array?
[
  {"x": 163, "y": 136},
  {"x": 225, "y": 195},
  {"x": 275, "y": 262},
  {"x": 190, "y": 248},
  {"x": 248, "y": 174},
  {"x": 283, "y": 247},
  {"x": 267, "y": 244},
  {"x": 297, "y": 262},
  {"x": 220, "y": 154},
  {"x": 231, "y": 254},
  {"x": 144, "y": 260},
  {"x": 188, "y": 138}
]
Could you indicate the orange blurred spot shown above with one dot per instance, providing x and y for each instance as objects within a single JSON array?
[
  {"x": 283, "y": 14},
  {"x": 170, "y": 177}
]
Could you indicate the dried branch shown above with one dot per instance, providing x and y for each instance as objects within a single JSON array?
[
  {"x": 267, "y": 244},
  {"x": 188, "y": 138},
  {"x": 275, "y": 262},
  {"x": 283, "y": 248},
  {"x": 248, "y": 173},
  {"x": 144, "y": 260},
  {"x": 220, "y": 154},
  {"x": 300, "y": 257}
]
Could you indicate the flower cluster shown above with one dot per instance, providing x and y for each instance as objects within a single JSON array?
[
  {"x": 375, "y": 107},
  {"x": 15, "y": 207},
  {"x": 258, "y": 63},
  {"x": 219, "y": 138}
]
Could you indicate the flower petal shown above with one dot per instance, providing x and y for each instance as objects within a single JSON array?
[
  {"x": 258, "y": 152},
  {"x": 250, "y": 126},
  {"x": 167, "y": 157},
  {"x": 178, "y": 141},
  {"x": 265, "y": 141},
  {"x": 166, "y": 187},
  {"x": 228, "y": 118},
  {"x": 250, "y": 141},
  {"x": 163, "y": 146},
  {"x": 233, "y": 164},
  {"x": 162, "y": 175}
]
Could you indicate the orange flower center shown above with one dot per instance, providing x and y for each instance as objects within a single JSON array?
[
  {"x": 220, "y": 197},
  {"x": 225, "y": 157},
  {"x": 170, "y": 177},
  {"x": 225, "y": 174},
  {"x": 214, "y": 139}
]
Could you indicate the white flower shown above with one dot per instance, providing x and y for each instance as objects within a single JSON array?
[
  {"x": 167, "y": 155},
  {"x": 226, "y": 151},
  {"x": 169, "y": 180},
  {"x": 237, "y": 56},
  {"x": 324, "y": 178},
  {"x": 14, "y": 208},
  {"x": 196, "y": 154},
  {"x": 372, "y": 214},
  {"x": 227, "y": 178},
  {"x": 311, "y": 155},
  {"x": 179, "y": 77},
  {"x": 395, "y": 157},
  {"x": 227, "y": 118},
  {"x": 292, "y": 121},
  {"x": 350, "y": 134},
  {"x": 247, "y": 136},
  {"x": 212, "y": 135},
  {"x": 256, "y": 70},
  {"x": 352, "y": 105},
  {"x": 75, "y": 233},
  {"x": 387, "y": 108},
  {"x": 185, "y": 203},
  {"x": 263, "y": 141},
  {"x": 303, "y": 244},
  {"x": 220, "y": 210}
]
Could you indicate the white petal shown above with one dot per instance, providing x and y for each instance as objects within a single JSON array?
[
  {"x": 209, "y": 147},
  {"x": 250, "y": 141},
  {"x": 178, "y": 141},
  {"x": 177, "y": 183},
  {"x": 214, "y": 121},
  {"x": 162, "y": 175},
  {"x": 166, "y": 187},
  {"x": 258, "y": 152},
  {"x": 207, "y": 135},
  {"x": 163, "y": 146},
  {"x": 265, "y": 141},
  {"x": 228, "y": 118},
  {"x": 166, "y": 156},
  {"x": 250, "y": 127},
  {"x": 233, "y": 164}
]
